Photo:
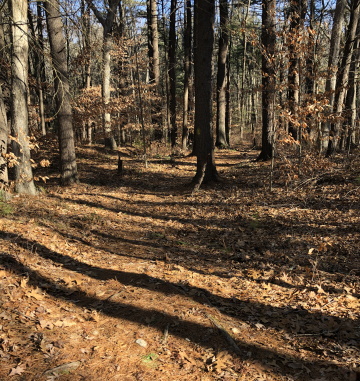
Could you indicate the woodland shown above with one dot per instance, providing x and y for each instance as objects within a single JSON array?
[{"x": 179, "y": 190}]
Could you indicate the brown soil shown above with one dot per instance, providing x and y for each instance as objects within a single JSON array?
[{"x": 135, "y": 278}]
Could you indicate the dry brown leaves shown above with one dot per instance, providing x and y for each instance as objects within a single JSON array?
[{"x": 136, "y": 279}]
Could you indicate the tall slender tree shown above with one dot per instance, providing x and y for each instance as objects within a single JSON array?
[
  {"x": 4, "y": 130},
  {"x": 268, "y": 41},
  {"x": 153, "y": 41},
  {"x": 24, "y": 182},
  {"x": 333, "y": 63},
  {"x": 297, "y": 19},
  {"x": 107, "y": 21},
  {"x": 68, "y": 166},
  {"x": 187, "y": 70},
  {"x": 172, "y": 72},
  {"x": 343, "y": 76},
  {"x": 221, "y": 135}
]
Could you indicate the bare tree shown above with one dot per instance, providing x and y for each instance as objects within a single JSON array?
[
  {"x": 4, "y": 130},
  {"x": 107, "y": 21},
  {"x": 268, "y": 40},
  {"x": 343, "y": 75},
  {"x": 172, "y": 72},
  {"x": 204, "y": 41},
  {"x": 153, "y": 41},
  {"x": 68, "y": 165},
  {"x": 221, "y": 135},
  {"x": 24, "y": 182},
  {"x": 187, "y": 70}
]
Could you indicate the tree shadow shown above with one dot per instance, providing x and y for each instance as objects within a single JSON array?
[
  {"x": 342, "y": 328},
  {"x": 178, "y": 327}
]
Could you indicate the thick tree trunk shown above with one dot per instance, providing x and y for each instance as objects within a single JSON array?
[
  {"x": 172, "y": 72},
  {"x": 221, "y": 137},
  {"x": 68, "y": 167},
  {"x": 187, "y": 71},
  {"x": 24, "y": 182},
  {"x": 268, "y": 40},
  {"x": 204, "y": 40}
]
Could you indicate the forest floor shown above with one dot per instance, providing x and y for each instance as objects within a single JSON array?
[{"x": 133, "y": 277}]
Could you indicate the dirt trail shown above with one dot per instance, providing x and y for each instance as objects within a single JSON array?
[{"x": 135, "y": 278}]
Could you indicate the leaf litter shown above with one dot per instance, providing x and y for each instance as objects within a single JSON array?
[{"x": 232, "y": 283}]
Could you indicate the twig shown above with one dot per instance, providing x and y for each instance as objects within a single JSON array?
[
  {"x": 166, "y": 334},
  {"x": 226, "y": 334}
]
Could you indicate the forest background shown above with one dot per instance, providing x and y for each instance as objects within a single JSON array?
[{"x": 209, "y": 162}]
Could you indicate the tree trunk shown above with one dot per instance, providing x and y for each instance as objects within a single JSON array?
[
  {"x": 4, "y": 132},
  {"x": 24, "y": 182},
  {"x": 204, "y": 40},
  {"x": 268, "y": 40},
  {"x": 343, "y": 76},
  {"x": 221, "y": 138},
  {"x": 107, "y": 21},
  {"x": 107, "y": 46},
  {"x": 187, "y": 71},
  {"x": 68, "y": 167},
  {"x": 153, "y": 42},
  {"x": 350, "y": 103},
  {"x": 333, "y": 63},
  {"x": 297, "y": 18},
  {"x": 4, "y": 128},
  {"x": 172, "y": 72}
]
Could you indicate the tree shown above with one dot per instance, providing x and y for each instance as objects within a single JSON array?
[
  {"x": 172, "y": 73},
  {"x": 4, "y": 130},
  {"x": 204, "y": 41},
  {"x": 297, "y": 18},
  {"x": 24, "y": 182},
  {"x": 221, "y": 135},
  {"x": 153, "y": 42},
  {"x": 107, "y": 22},
  {"x": 268, "y": 41},
  {"x": 187, "y": 70},
  {"x": 333, "y": 62},
  {"x": 68, "y": 166},
  {"x": 343, "y": 76}
]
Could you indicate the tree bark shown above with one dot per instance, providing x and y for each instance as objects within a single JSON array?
[
  {"x": 187, "y": 71},
  {"x": 297, "y": 18},
  {"x": 153, "y": 42},
  {"x": 221, "y": 137},
  {"x": 343, "y": 76},
  {"x": 68, "y": 166},
  {"x": 172, "y": 72},
  {"x": 4, "y": 129},
  {"x": 107, "y": 21},
  {"x": 4, "y": 132},
  {"x": 24, "y": 182},
  {"x": 204, "y": 41},
  {"x": 268, "y": 40},
  {"x": 333, "y": 63}
]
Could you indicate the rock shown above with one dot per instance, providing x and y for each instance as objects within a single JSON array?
[{"x": 141, "y": 342}]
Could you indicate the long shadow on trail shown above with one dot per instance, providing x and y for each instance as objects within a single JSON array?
[
  {"x": 295, "y": 226},
  {"x": 340, "y": 329},
  {"x": 177, "y": 326}
]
